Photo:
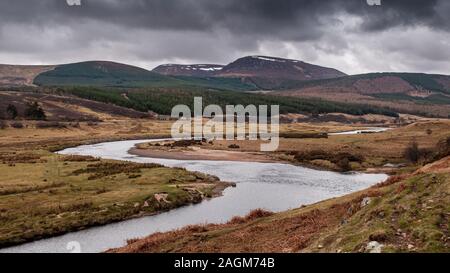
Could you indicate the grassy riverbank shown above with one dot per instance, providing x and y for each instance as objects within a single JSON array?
[
  {"x": 408, "y": 213},
  {"x": 303, "y": 144},
  {"x": 43, "y": 194}
]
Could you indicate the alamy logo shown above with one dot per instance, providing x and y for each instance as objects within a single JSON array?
[
  {"x": 73, "y": 2},
  {"x": 236, "y": 123}
]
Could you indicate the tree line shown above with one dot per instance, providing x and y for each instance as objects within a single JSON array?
[
  {"x": 162, "y": 100},
  {"x": 33, "y": 111}
]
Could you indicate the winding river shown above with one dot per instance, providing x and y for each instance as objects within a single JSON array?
[{"x": 272, "y": 186}]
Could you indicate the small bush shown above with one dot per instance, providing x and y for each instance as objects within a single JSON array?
[
  {"x": 3, "y": 125},
  {"x": 75, "y": 125},
  {"x": 412, "y": 152},
  {"x": 234, "y": 146},
  {"x": 17, "y": 125},
  {"x": 91, "y": 123},
  {"x": 34, "y": 111},
  {"x": 236, "y": 220},
  {"x": 12, "y": 112},
  {"x": 49, "y": 125},
  {"x": 258, "y": 213},
  {"x": 79, "y": 158},
  {"x": 100, "y": 170},
  {"x": 342, "y": 159},
  {"x": 442, "y": 149},
  {"x": 392, "y": 180},
  {"x": 344, "y": 164}
]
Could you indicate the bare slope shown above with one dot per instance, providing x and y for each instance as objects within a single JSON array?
[{"x": 17, "y": 75}]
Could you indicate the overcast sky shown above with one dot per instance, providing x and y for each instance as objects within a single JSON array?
[{"x": 350, "y": 35}]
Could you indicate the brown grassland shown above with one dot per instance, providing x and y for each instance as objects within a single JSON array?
[
  {"x": 364, "y": 152},
  {"x": 43, "y": 194}
]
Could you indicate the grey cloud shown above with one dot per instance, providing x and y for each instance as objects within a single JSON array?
[
  {"x": 301, "y": 19},
  {"x": 148, "y": 32}
]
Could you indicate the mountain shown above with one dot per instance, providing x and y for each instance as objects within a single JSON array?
[
  {"x": 271, "y": 67},
  {"x": 261, "y": 71},
  {"x": 194, "y": 70},
  {"x": 245, "y": 74}
]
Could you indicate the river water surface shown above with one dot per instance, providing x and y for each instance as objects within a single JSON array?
[{"x": 271, "y": 186}]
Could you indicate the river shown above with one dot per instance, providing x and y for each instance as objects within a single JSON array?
[{"x": 271, "y": 186}]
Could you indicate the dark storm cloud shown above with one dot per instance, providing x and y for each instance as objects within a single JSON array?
[
  {"x": 211, "y": 30},
  {"x": 299, "y": 18}
]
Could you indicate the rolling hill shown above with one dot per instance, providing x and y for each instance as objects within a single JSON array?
[
  {"x": 415, "y": 92},
  {"x": 412, "y": 93},
  {"x": 101, "y": 73},
  {"x": 109, "y": 74}
]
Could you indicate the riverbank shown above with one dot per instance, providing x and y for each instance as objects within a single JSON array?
[
  {"x": 43, "y": 194},
  {"x": 203, "y": 154},
  {"x": 381, "y": 152},
  {"x": 407, "y": 213}
]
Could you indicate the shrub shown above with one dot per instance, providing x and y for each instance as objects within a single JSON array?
[
  {"x": 91, "y": 123},
  {"x": 412, "y": 152},
  {"x": 79, "y": 158},
  {"x": 17, "y": 125},
  {"x": 234, "y": 146},
  {"x": 34, "y": 111},
  {"x": 3, "y": 125},
  {"x": 258, "y": 213},
  {"x": 236, "y": 220},
  {"x": 443, "y": 148},
  {"x": 53, "y": 124},
  {"x": 333, "y": 157},
  {"x": 12, "y": 112},
  {"x": 344, "y": 164}
]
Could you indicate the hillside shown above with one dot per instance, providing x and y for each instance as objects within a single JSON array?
[
  {"x": 405, "y": 92},
  {"x": 19, "y": 75},
  {"x": 409, "y": 93},
  {"x": 100, "y": 73},
  {"x": 65, "y": 107},
  {"x": 408, "y": 213},
  {"x": 162, "y": 100},
  {"x": 194, "y": 70}
]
